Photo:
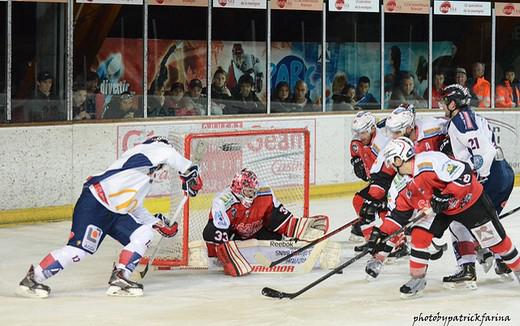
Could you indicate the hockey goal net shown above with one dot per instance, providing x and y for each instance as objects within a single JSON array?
[{"x": 280, "y": 158}]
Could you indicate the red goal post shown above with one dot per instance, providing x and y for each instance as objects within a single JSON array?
[{"x": 280, "y": 158}]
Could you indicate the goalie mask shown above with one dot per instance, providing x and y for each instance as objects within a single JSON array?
[
  {"x": 401, "y": 121},
  {"x": 245, "y": 186},
  {"x": 402, "y": 148},
  {"x": 362, "y": 127}
]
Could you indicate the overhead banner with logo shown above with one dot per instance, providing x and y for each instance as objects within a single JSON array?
[
  {"x": 354, "y": 5},
  {"x": 407, "y": 7},
  {"x": 179, "y": 3},
  {"x": 314, "y": 5},
  {"x": 243, "y": 4},
  {"x": 507, "y": 9},
  {"x": 462, "y": 8}
]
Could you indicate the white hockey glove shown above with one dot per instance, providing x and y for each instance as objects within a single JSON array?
[{"x": 308, "y": 228}]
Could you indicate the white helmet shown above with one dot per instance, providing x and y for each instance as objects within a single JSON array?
[
  {"x": 401, "y": 147},
  {"x": 363, "y": 122},
  {"x": 401, "y": 118}
]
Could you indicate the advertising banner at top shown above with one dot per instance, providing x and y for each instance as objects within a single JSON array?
[
  {"x": 462, "y": 8},
  {"x": 421, "y": 7},
  {"x": 354, "y": 5}
]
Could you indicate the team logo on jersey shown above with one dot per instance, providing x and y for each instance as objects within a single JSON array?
[
  {"x": 487, "y": 235},
  {"x": 466, "y": 200},
  {"x": 478, "y": 161},
  {"x": 233, "y": 212},
  {"x": 219, "y": 221},
  {"x": 92, "y": 238},
  {"x": 355, "y": 148},
  {"x": 451, "y": 168}
]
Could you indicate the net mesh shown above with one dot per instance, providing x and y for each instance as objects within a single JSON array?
[{"x": 279, "y": 157}]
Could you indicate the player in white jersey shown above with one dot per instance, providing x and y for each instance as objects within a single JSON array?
[
  {"x": 111, "y": 204},
  {"x": 473, "y": 141}
]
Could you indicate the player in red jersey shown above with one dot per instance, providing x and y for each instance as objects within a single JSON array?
[
  {"x": 452, "y": 191},
  {"x": 248, "y": 210}
]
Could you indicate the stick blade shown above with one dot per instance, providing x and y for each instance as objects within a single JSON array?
[{"x": 272, "y": 293}]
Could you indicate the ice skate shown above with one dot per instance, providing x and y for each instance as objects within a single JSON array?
[
  {"x": 413, "y": 288},
  {"x": 466, "y": 276},
  {"x": 373, "y": 268},
  {"x": 30, "y": 288},
  {"x": 503, "y": 271},
  {"x": 485, "y": 259},
  {"x": 356, "y": 235},
  {"x": 120, "y": 286}
]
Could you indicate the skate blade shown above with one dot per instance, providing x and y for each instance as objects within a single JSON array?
[
  {"x": 468, "y": 285},
  {"x": 24, "y": 291},
  {"x": 487, "y": 265},
  {"x": 116, "y": 291},
  {"x": 370, "y": 278},
  {"x": 506, "y": 277},
  {"x": 408, "y": 296},
  {"x": 355, "y": 239}
]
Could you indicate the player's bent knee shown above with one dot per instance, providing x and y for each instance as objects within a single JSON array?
[
  {"x": 421, "y": 238},
  {"x": 143, "y": 234}
]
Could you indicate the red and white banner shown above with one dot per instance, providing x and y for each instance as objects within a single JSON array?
[
  {"x": 45, "y": 1},
  {"x": 507, "y": 9},
  {"x": 313, "y": 5},
  {"x": 115, "y": 2},
  {"x": 354, "y": 5},
  {"x": 249, "y": 4},
  {"x": 462, "y": 8},
  {"x": 179, "y": 3},
  {"x": 407, "y": 7}
]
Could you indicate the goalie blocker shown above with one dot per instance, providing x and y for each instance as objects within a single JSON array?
[{"x": 246, "y": 210}]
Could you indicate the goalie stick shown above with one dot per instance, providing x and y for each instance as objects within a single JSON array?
[
  {"x": 156, "y": 250},
  {"x": 272, "y": 293},
  {"x": 265, "y": 261}
]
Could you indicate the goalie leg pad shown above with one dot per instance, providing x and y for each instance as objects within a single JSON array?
[{"x": 232, "y": 259}]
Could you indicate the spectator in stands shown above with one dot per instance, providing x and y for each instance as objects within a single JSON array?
[
  {"x": 461, "y": 78},
  {"x": 345, "y": 100},
  {"x": 480, "y": 86},
  {"x": 79, "y": 97},
  {"x": 122, "y": 107},
  {"x": 95, "y": 100},
  {"x": 406, "y": 93},
  {"x": 301, "y": 101},
  {"x": 246, "y": 101},
  {"x": 156, "y": 101},
  {"x": 220, "y": 94},
  {"x": 175, "y": 105},
  {"x": 280, "y": 101},
  {"x": 438, "y": 85},
  {"x": 365, "y": 99},
  {"x": 508, "y": 91},
  {"x": 194, "y": 98},
  {"x": 44, "y": 106}
]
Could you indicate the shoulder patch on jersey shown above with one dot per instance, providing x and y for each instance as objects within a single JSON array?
[
  {"x": 450, "y": 168},
  {"x": 227, "y": 199},
  {"x": 355, "y": 148},
  {"x": 478, "y": 161},
  {"x": 432, "y": 132},
  {"x": 425, "y": 166},
  {"x": 262, "y": 191},
  {"x": 219, "y": 221},
  {"x": 376, "y": 149},
  {"x": 465, "y": 121}
]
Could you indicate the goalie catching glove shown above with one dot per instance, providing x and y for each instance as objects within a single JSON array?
[
  {"x": 163, "y": 226},
  {"x": 191, "y": 181},
  {"x": 307, "y": 228}
]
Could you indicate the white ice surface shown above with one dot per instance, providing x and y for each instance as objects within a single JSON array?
[{"x": 210, "y": 298}]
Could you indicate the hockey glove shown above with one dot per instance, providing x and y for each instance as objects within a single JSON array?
[
  {"x": 375, "y": 243},
  {"x": 370, "y": 208},
  {"x": 440, "y": 202},
  {"x": 163, "y": 226},
  {"x": 191, "y": 181},
  {"x": 359, "y": 168}
]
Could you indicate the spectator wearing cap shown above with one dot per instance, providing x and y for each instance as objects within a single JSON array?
[
  {"x": 122, "y": 107},
  {"x": 44, "y": 106},
  {"x": 194, "y": 98},
  {"x": 508, "y": 91},
  {"x": 480, "y": 86},
  {"x": 245, "y": 101},
  {"x": 461, "y": 78},
  {"x": 174, "y": 104},
  {"x": 365, "y": 99}
]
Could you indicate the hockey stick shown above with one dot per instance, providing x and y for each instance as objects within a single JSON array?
[
  {"x": 156, "y": 250},
  {"x": 511, "y": 212},
  {"x": 266, "y": 262},
  {"x": 272, "y": 293}
]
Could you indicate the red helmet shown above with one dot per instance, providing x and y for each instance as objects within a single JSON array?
[{"x": 245, "y": 186}]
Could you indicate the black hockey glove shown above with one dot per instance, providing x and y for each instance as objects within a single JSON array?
[
  {"x": 440, "y": 202},
  {"x": 191, "y": 181},
  {"x": 375, "y": 243},
  {"x": 370, "y": 208},
  {"x": 445, "y": 147},
  {"x": 359, "y": 168}
]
